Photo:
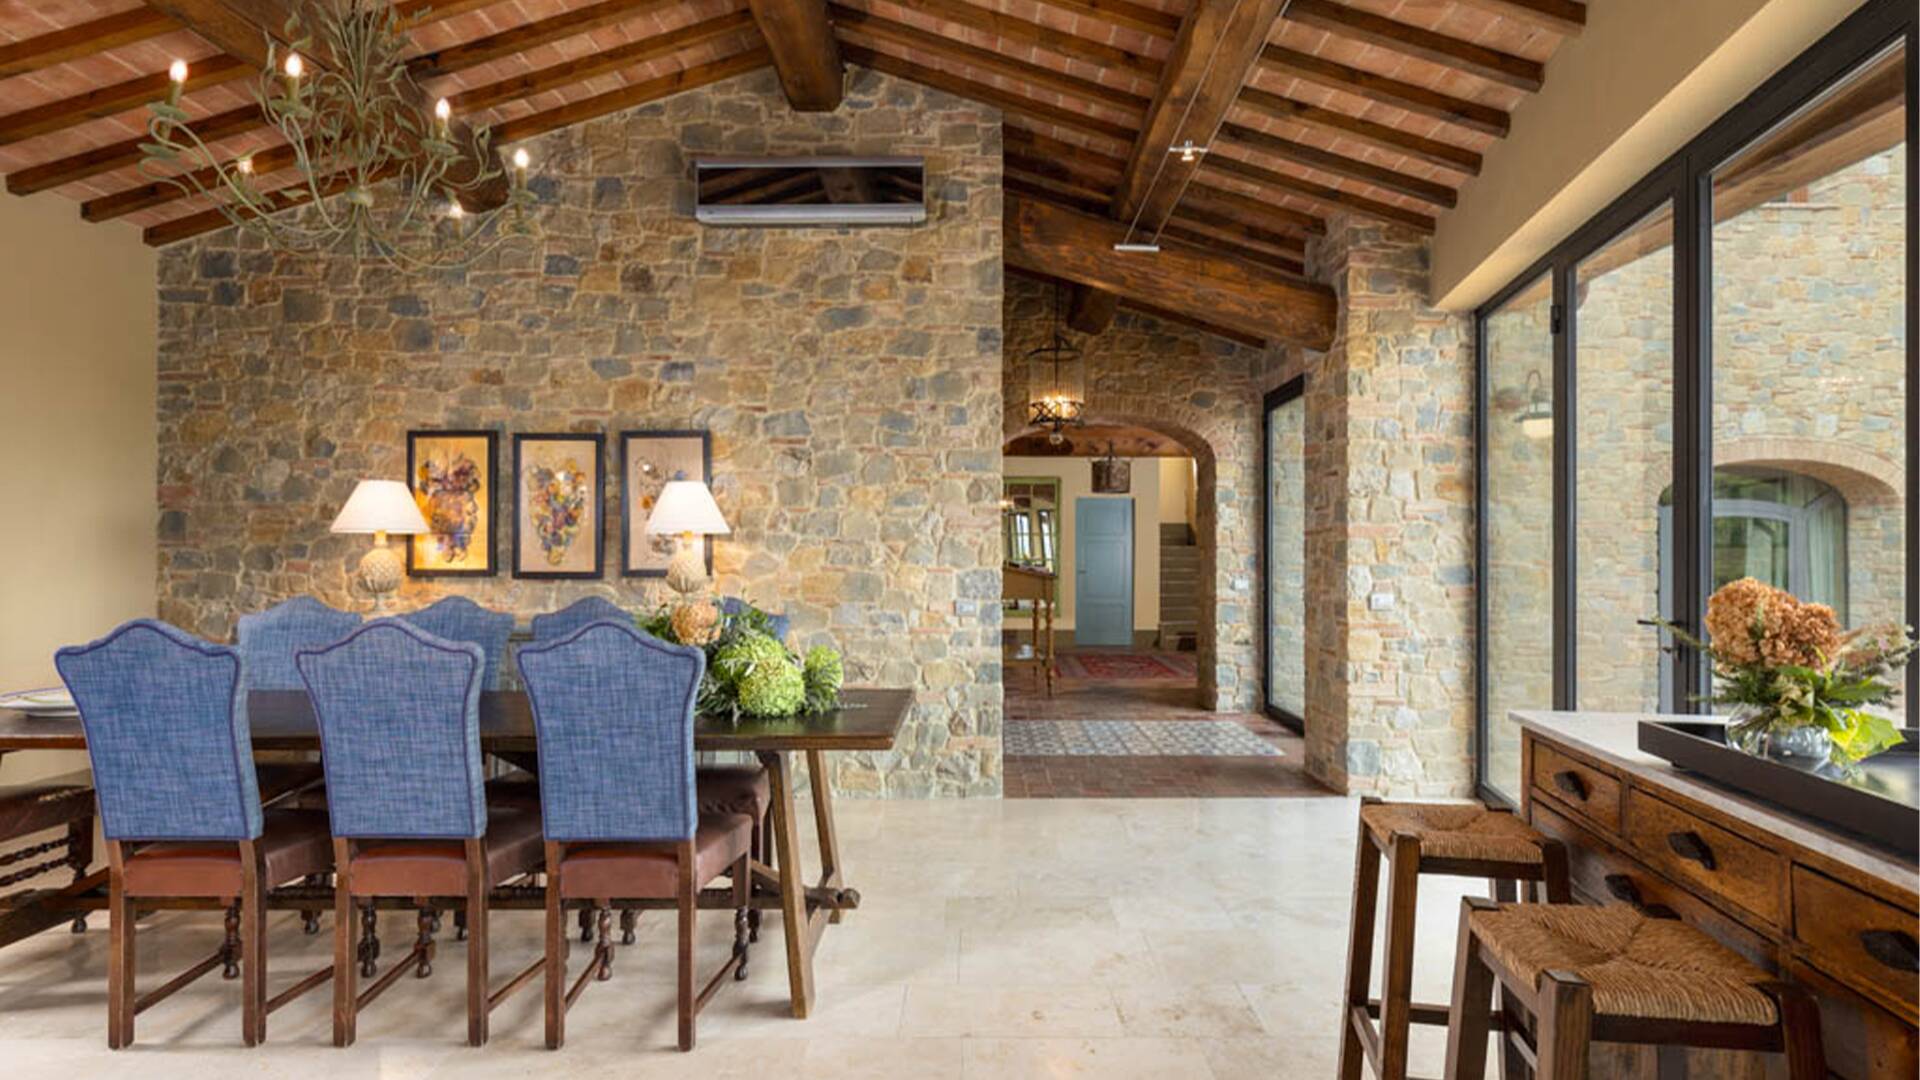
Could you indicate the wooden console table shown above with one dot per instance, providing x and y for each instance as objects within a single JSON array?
[
  {"x": 1041, "y": 587},
  {"x": 1830, "y": 912}
]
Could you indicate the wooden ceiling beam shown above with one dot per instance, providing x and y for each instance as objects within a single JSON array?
[
  {"x": 1393, "y": 93},
  {"x": 1332, "y": 198},
  {"x": 1217, "y": 237},
  {"x": 1328, "y": 162},
  {"x": 990, "y": 95},
  {"x": 1133, "y": 16},
  {"x": 243, "y": 28},
  {"x": 873, "y": 26},
  {"x": 1420, "y": 43},
  {"x": 1380, "y": 136},
  {"x": 1058, "y": 42},
  {"x": 1253, "y": 299},
  {"x": 1146, "y": 309},
  {"x": 1250, "y": 237},
  {"x": 805, "y": 53},
  {"x": 518, "y": 39},
  {"x": 603, "y": 62},
  {"x": 82, "y": 40},
  {"x": 113, "y": 100},
  {"x": 1564, "y": 17}
]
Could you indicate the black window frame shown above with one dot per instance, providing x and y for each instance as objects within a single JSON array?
[
  {"x": 1286, "y": 393},
  {"x": 1686, "y": 178}
]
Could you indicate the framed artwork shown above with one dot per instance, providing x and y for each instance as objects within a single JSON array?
[
  {"x": 558, "y": 505},
  {"x": 451, "y": 476},
  {"x": 648, "y": 459}
]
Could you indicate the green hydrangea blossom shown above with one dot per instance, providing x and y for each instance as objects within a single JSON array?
[{"x": 773, "y": 688}]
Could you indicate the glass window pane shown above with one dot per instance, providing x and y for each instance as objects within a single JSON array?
[
  {"x": 1286, "y": 553},
  {"x": 1518, "y": 519},
  {"x": 1810, "y": 351},
  {"x": 1623, "y": 461}
]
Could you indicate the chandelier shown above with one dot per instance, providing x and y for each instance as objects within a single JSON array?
[
  {"x": 352, "y": 125},
  {"x": 1056, "y": 382}
]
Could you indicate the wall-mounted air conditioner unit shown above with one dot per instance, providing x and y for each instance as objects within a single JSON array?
[{"x": 810, "y": 191}]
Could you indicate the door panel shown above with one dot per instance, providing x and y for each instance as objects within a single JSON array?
[{"x": 1103, "y": 572}]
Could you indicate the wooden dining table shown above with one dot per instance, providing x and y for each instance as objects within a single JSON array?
[{"x": 867, "y": 719}]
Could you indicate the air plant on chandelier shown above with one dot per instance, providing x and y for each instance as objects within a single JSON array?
[{"x": 417, "y": 191}]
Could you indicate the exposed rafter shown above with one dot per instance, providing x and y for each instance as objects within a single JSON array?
[
  {"x": 1563, "y": 17},
  {"x": 1315, "y": 158},
  {"x": 1419, "y": 100},
  {"x": 991, "y": 95},
  {"x": 1391, "y": 139},
  {"x": 804, "y": 52},
  {"x": 1333, "y": 199},
  {"x": 498, "y": 46},
  {"x": 82, "y": 40},
  {"x": 1058, "y": 42},
  {"x": 1364, "y": 26},
  {"x": 113, "y": 100}
]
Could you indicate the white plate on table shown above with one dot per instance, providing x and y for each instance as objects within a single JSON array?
[{"x": 50, "y": 703}]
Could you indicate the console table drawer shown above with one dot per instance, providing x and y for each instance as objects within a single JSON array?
[
  {"x": 1690, "y": 849},
  {"x": 1861, "y": 941},
  {"x": 1590, "y": 791}
]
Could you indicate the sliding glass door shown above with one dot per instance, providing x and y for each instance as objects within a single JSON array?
[
  {"x": 1713, "y": 379},
  {"x": 1285, "y": 546}
]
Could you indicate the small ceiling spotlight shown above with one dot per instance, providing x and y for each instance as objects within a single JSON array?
[{"x": 1189, "y": 153}]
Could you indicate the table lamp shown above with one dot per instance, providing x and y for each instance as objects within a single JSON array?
[
  {"x": 380, "y": 507},
  {"x": 686, "y": 508}
]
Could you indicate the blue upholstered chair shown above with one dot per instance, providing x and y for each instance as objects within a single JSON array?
[
  {"x": 613, "y": 712},
  {"x": 457, "y": 618},
  {"x": 269, "y": 638},
  {"x": 180, "y": 803},
  {"x": 399, "y": 716},
  {"x": 558, "y": 624}
]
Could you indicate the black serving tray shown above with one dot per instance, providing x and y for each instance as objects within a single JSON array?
[{"x": 1881, "y": 803}]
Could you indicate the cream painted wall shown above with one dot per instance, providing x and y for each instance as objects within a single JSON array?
[
  {"x": 77, "y": 440},
  {"x": 1176, "y": 490},
  {"x": 1645, "y": 77},
  {"x": 1076, "y": 482}
]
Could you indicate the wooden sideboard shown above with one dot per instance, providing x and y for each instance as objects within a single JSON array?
[{"x": 1831, "y": 912}]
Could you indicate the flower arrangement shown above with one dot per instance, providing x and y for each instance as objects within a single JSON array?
[
  {"x": 1802, "y": 684},
  {"x": 750, "y": 672}
]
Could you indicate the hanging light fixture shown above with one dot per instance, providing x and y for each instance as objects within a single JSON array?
[
  {"x": 349, "y": 128},
  {"x": 1056, "y": 382},
  {"x": 1536, "y": 419}
]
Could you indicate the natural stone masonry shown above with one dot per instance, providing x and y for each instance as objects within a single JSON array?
[
  {"x": 1197, "y": 388},
  {"x": 1389, "y": 505},
  {"x": 851, "y": 379}
]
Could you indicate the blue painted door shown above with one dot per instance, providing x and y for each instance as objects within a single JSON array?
[{"x": 1103, "y": 572}]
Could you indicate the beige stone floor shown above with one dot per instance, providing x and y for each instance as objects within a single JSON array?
[{"x": 1021, "y": 938}]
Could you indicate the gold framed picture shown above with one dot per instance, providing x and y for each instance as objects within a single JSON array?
[
  {"x": 558, "y": 496},
  {"x": 451, "y": 476}
]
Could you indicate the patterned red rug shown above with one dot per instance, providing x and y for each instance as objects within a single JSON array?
[{"x": 1122, "y": 666}]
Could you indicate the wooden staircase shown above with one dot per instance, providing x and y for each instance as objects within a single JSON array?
[{"x": 1179, "y": 588}]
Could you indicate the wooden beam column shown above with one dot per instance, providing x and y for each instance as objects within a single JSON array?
[
  {"x": 804, "y": 51},
  {"x": 1217, "y": 46}
]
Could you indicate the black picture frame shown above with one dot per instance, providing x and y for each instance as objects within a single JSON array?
[
  {"x": 629, "y": 506},
  {"x": 490, "y": 496},
  {"x": 598, "y": 441}
]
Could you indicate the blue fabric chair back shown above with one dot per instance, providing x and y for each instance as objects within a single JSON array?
[
  {"x": 558, "y": 624},
  {"x": 167, "y": 734},
  {"x": 457, "y": 618},
  {"x": 268, "y": 639},
  {"x": 733, "y": 605},
  {"x": 399, "y": 714},
  {"x": 613, "y": 710}
]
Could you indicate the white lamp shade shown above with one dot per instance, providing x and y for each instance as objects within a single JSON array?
[
  {"x": 686, "y": 506},
  {"x": 380, "y": 506}
]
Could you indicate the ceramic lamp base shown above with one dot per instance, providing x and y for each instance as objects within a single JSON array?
[
  {"x": 380, "y": 573},
  {"x": 687, "y": 571}
]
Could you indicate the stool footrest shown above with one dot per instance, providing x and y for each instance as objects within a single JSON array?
[{"x": 1421, "y": 1012}]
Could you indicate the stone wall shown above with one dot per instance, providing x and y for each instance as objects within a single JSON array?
[
  {"x": 1198, "y": 389},
  {"x": 851, "y": 379}
]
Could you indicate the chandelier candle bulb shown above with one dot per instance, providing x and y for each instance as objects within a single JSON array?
[
  {"x": 177, "y": 81},
  {"x": 443, "y": 115}
]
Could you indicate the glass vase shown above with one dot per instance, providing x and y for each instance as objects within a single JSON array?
[{"x": 1769, "y": 734}]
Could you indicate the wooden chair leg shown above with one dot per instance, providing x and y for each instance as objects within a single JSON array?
[
  {"x": 1469, "y": 1019},
  {"x": 253, "y": 949},
  {"x": 556, "y": 970},
  {"x": 1553, "y": 859},
  {"x": 1513, "y": 1063},
  {"x": 1799, "y": 1031},
  {"x": 1564, "y": 1027},
  {"x": 79, "y": 858},
  {"x": 1366, "y": 897},
  {"x": 477, "y": 938},
  {"x": 742, "y": 932},
  {"x": 1396, "y": 989},
  {"x": 120, "y": 962},
  {"x": 688, "y": 910},
  {"x": 346, "y": 964}
]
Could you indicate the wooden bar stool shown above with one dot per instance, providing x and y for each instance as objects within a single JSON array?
[
  {"x": 1449, "y": 839},
  {"x": 1614, "y": 974}
]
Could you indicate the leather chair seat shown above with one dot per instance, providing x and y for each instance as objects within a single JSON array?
[
  {"x": 734, "y": 789},
  {"x": 433, "y": 867},
  {"x": 47, "y": 804},
  {"x": 650, "y": 871},
  {"x": 292, "y": 844}
]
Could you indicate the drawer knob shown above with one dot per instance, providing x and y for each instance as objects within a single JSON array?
[
  {"x": 1625, "y": 891},
  {"x": 1688, "y": 845},
  {"x": 1570, "y": 784},
  {"x": 1894, "y": 948}
]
